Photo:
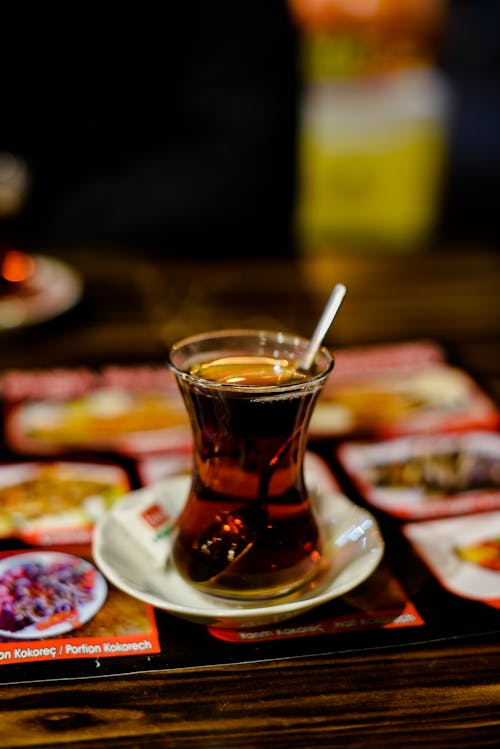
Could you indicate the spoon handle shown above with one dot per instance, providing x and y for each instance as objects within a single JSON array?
[{"x": 324, "y": 322}]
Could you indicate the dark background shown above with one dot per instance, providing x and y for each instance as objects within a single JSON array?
[
  {"x": 171, "y": 127},
  {"x": 470, "y": 57}
]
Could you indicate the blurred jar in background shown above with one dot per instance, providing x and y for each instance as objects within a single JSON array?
[{"x": 373, "y": 123}]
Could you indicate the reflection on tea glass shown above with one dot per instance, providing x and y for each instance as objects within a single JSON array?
[{"x": 248, "y": 529}]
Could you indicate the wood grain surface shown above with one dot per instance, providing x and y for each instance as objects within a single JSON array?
[{"x": 439, "y": 696}]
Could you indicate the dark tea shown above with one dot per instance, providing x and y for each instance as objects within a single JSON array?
[{"x": 248, "y": 529}]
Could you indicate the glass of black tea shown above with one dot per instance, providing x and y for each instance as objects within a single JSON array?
[{"x": 248, "y": 529}]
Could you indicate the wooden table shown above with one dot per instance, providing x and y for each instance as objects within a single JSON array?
[{"x": 438, "y": 693}]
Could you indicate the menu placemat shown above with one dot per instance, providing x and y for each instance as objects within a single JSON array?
[{"x": 76, "y": 442}]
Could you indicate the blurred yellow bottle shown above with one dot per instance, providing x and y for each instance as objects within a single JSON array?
[{"x": 373, "y": 130}]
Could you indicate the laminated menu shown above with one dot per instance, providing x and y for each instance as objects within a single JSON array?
[
  {"x": 391, "y": 390},
  {"x": 129, "y": 410},
  {"x": 426, "y": 476},
  {"x": 463, "y": 553},
  {"x": 136, "y": 412},
  {"x": 57, "y": 606},
  {"x": 378, "y": 391},
  {"x": 56, "y": 502},
  {"x": 62, "y": 615},
  {"x": 378, "y": 603}
]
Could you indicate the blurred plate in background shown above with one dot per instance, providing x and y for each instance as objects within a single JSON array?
[{"x": 53, "y": 288}]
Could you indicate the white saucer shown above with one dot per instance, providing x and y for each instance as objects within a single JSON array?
[
  {"x": 54, "y": 288},
  {"x": 351, "y": 532}
]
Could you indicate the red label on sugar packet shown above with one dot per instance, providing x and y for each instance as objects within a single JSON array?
[{"x": 155, "y": 516}]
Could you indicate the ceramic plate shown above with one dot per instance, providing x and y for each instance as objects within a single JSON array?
[
  {"x": 350, "y": 533},
  {"x": 54, "y": 288},
  {"x": 55, "y": 592}
]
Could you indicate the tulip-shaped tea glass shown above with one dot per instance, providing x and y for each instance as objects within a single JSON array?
[{"x": 248, "y": 529}]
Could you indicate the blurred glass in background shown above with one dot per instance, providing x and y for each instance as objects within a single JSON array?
[{"x": 373, "y": 123}]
